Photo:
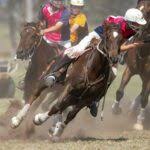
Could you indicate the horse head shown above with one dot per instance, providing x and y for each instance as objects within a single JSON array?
[
  {"x": 30, "y": 39},
  {"x": 112, "y": 39}
]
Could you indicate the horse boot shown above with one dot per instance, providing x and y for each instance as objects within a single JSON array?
[
  {"x": 59, "y": 72},
  {"x": 94, "y": 108}
]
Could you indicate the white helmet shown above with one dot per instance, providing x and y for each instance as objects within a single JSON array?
[
  {"x": 135, "y": 15},
  {"x": 77, "y": 2}
]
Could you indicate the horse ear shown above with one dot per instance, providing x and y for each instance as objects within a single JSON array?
[{"x": 41, "y": 25}]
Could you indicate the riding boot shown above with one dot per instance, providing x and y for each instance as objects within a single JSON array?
[
  {"x": 21, "y": 85},
  {"x": 94, "y": 108},
  {"x": 59, "y": 71}
]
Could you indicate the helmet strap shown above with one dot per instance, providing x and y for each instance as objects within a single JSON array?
[{"x": 135, "y": 28}]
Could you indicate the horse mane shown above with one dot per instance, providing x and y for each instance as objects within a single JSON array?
[{"x": 111, "y": 25}]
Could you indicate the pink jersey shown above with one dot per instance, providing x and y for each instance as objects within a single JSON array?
[
  {"x": 126, "y": 31},
  {"x": 52, "y": 19}
]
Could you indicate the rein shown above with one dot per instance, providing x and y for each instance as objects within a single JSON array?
[
  {"x": 89, "y": 84},
  {"x": 32, "y": 49},
  {"x": 103, "y": 53}
]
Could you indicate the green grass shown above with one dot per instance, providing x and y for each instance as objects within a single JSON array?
[
  {"x": 131, "y": 90},
  {"x": 4, "y": 38}
]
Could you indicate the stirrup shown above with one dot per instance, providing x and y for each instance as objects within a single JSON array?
[{"x": 50, "y": 80}]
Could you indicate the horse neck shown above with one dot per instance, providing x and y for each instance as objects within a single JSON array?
[
  {"x": 96, "y": 64},
  {"x": 41, "y": 56}
]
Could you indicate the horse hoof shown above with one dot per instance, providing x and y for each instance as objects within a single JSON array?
[
  {"x": 15, "y": 122},
  {"x": 138, "y": 127},
  {"x": 116, "y": 110},
  {"x": 37, "y": 120},
  {"x": 58, "y": 129},
  {"x": 51, "y": 131},
  {"x": 55, "y": 139},
  {"x": 40, "y": 118}
]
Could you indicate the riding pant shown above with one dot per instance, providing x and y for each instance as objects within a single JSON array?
[
  {"x": 78, "y": 50},
  {"x": 66, "y": 44}
]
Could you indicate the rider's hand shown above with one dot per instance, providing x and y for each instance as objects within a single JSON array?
[
  {"x": 42, "y": 32},
  {"x": 76, "y": 54},
  {"x": 138, "y": 43}
]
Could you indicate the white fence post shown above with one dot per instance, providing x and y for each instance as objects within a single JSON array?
[{"x": 29, "y": 10}]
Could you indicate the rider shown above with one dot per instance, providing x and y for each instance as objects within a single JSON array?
[
  {"x": 56, "y": 16},
  {"x": 78, "y": 22},
  {"x": 129, "y": 25}
]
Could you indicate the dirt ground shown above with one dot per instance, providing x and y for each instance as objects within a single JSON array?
[{"x": 85, "y": 133}]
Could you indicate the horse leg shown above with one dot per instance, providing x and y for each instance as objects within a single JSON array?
[
  {"x": 144, "y": 101},
  {"x": 60, "y": 126},
  {"x": 16, "y": 120},
  {"x": 62, "y": 103},
  {"x": 135, "y": 104},
  {"x": 120, "y": 92},
  {"x": 57, "y": 108}
]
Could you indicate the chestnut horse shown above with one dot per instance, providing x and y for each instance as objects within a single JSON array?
[
  {"x": 88, "y": 79},
  {"x": 144, "y": 6},
  {"x": 33, "y": 46},
  {"x": 138, "y": 62}
]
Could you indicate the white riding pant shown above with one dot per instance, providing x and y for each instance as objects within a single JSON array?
[
  {"x": 79, "y": 49},
  {"x": 66, "y": 44}
]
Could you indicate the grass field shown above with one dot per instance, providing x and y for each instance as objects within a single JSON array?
[{"x": 127, "y": 141}]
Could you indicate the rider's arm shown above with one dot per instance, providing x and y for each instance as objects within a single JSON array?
[
  {"x": 125, "y": 47},
  {"x": 74, "y": 28},
  {"x": 64, "y": 20},
  {"x": 79, "y": 21},
  {"x": 53, "y": 28}
]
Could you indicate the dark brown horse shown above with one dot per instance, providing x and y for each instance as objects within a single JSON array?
[
  {"x": 88, "y": 79},
  {"x": 144, "y": 6},
  {"x": 33, "y": 46},
  {"x": 138, "y": 62}
]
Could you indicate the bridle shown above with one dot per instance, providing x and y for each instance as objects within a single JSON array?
[
  {"x": 30, "y": 52},
  {"x": 103, "y": 49}
]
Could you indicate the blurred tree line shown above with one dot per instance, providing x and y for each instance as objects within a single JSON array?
[
  {"x": 18, "y": 11},
  {"x": 102, "y": 8}
]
